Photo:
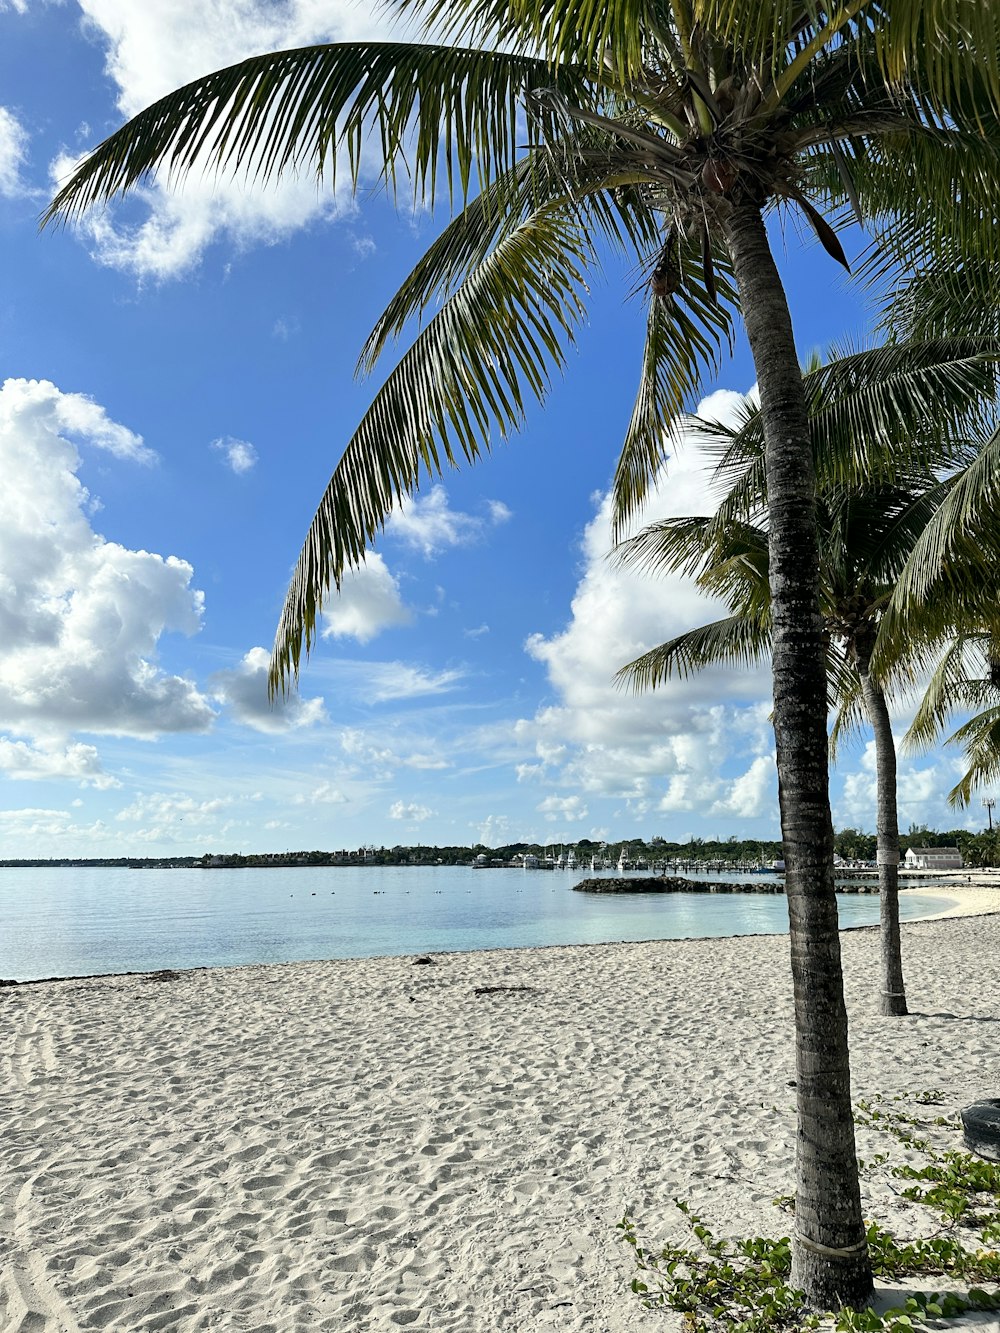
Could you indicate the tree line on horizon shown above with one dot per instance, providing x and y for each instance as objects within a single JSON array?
[
  {"x": 665, "y": 133},
  {"x": 978, "y": 850}
]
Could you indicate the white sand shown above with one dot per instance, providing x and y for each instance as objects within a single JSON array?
[{"x": 368, "y": 1145}]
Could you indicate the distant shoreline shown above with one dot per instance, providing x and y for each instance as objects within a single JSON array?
[{"x": 862, "y": 876}]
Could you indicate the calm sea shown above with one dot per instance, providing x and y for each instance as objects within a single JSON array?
[{"x": 75, "y": 922}]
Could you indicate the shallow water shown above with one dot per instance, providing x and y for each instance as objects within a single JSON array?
[{"x": 78, "y": 921}]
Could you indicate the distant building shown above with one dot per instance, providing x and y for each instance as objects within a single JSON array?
[{"x": 933, "y": 858}]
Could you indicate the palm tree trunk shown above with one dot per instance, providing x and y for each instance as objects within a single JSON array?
[
  {"x": 892, "y": 997},
  {"x": 831, "y": 1262}
]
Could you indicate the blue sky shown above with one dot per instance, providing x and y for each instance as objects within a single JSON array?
[{"x": 177, "y": 387}]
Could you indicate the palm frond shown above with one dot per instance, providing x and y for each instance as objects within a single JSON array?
[
  {"x": 732, "y": 641},
  {"x": 954, "y": 686},
  {"x": 930, "y": 198},
  {"x": 616, "y": 33},
  {"x": 289, "y": 110},
  {"x": 572, "y": 177},
  {"x": 468, "y": 371},
  {"x": 685, "y": 335},
  {"x": 954, "y": 47},
  {"x": 962, "y": 523},
  {"x": 672, "y": 546},
  {"x": 777, "y": 39},
  {"x": 952, "y": 295},
  {"x": 878, "y": 412},
  {"x": 849, "y": 713},
  {"x": 980, "y": 738}
]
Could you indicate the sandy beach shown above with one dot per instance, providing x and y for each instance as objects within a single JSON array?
[{"x": 375, "y": 1144}]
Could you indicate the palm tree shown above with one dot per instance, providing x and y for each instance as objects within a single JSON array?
[
  {"x": 662, "y": 130},
  {"x": 967, "y": 680},
  {"x": 872, "y": 510}
]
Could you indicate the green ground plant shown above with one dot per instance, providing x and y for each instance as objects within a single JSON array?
[{"x": 744, "y": 1285}]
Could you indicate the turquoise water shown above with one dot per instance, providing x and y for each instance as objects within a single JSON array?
[{"x": 76, "y": 922}]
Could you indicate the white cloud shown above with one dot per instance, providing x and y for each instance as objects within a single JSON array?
[
  {"x": 753, "y": 793},
  {"x": 921, "y": 792},
  {"x": 373, "y": 755},
  {"x": 285, "y": 328},
  {"x": 39, "y": 405},
  {"x": 183, "y": 222},
  {"x": 562, "y": 807},
  {"x": 77, "y": 763},
  {"x": 426, "y": 762},
  {"x": 368, "y": 602},
  {"x": 240, "y": 455},
  {"x": 386, "y": 681},
  {"x": 662, "y": 748},
  {"x": 726, "y": 406},
  {"x": 13, "y": 153},
  {"x": 244, "y": 691},
  {"x": 80, "y": 617},
  {"x": 494, "y": 831},
  {"x": 152, "y": 48},
  {"x": 414, "y": 814},
  {"x": 323, "y": 794},
  {"x": 163, "y": 811},
  {"x": 25, "y": 830},
  {"x": 429, "y": 525}
]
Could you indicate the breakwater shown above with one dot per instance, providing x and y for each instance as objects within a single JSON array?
[{"x": 677, "y": 884}]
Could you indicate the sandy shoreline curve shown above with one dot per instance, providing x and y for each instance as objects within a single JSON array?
[{"x": 370, "y": 1144}]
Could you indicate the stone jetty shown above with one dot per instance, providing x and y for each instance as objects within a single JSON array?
[{"x": 677, "y": 884}]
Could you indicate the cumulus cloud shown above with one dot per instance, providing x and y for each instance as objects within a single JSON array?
[
  {"x": 80, "y": 617},
  {"x": 412, "y": 813},
  {"x": 753, "y": 793},
  {"x": 369, "y": 601},
  {"x": 152, "y": 48},
  {"x": 39, "y": 405},
  {"x": 921, "y": 791},
  {"x": 244, "y": 692},
  {"x": 240, "y": 455},
  {"x": 183, "y": 222},
  {"x": 494, "y": 831},
  {"x": 563, "y": 807},
  {"x": 25, "y": 830},
  {"x": 162, "y": 811},
  {"x": 372, "y": 753},
  {"x": 662, "y": 749},
  {"x": 13, "y": 153},
  {"x": 175, "y": 818},
  {"x": 323, "y": 794},
  {"x": 77, "y": 763},
  {"x": 429, "y": 525}
]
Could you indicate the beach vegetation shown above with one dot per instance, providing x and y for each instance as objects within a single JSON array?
[
  {"x": 663, "y": 133},
  {"x": 745, "y": 1285}
]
